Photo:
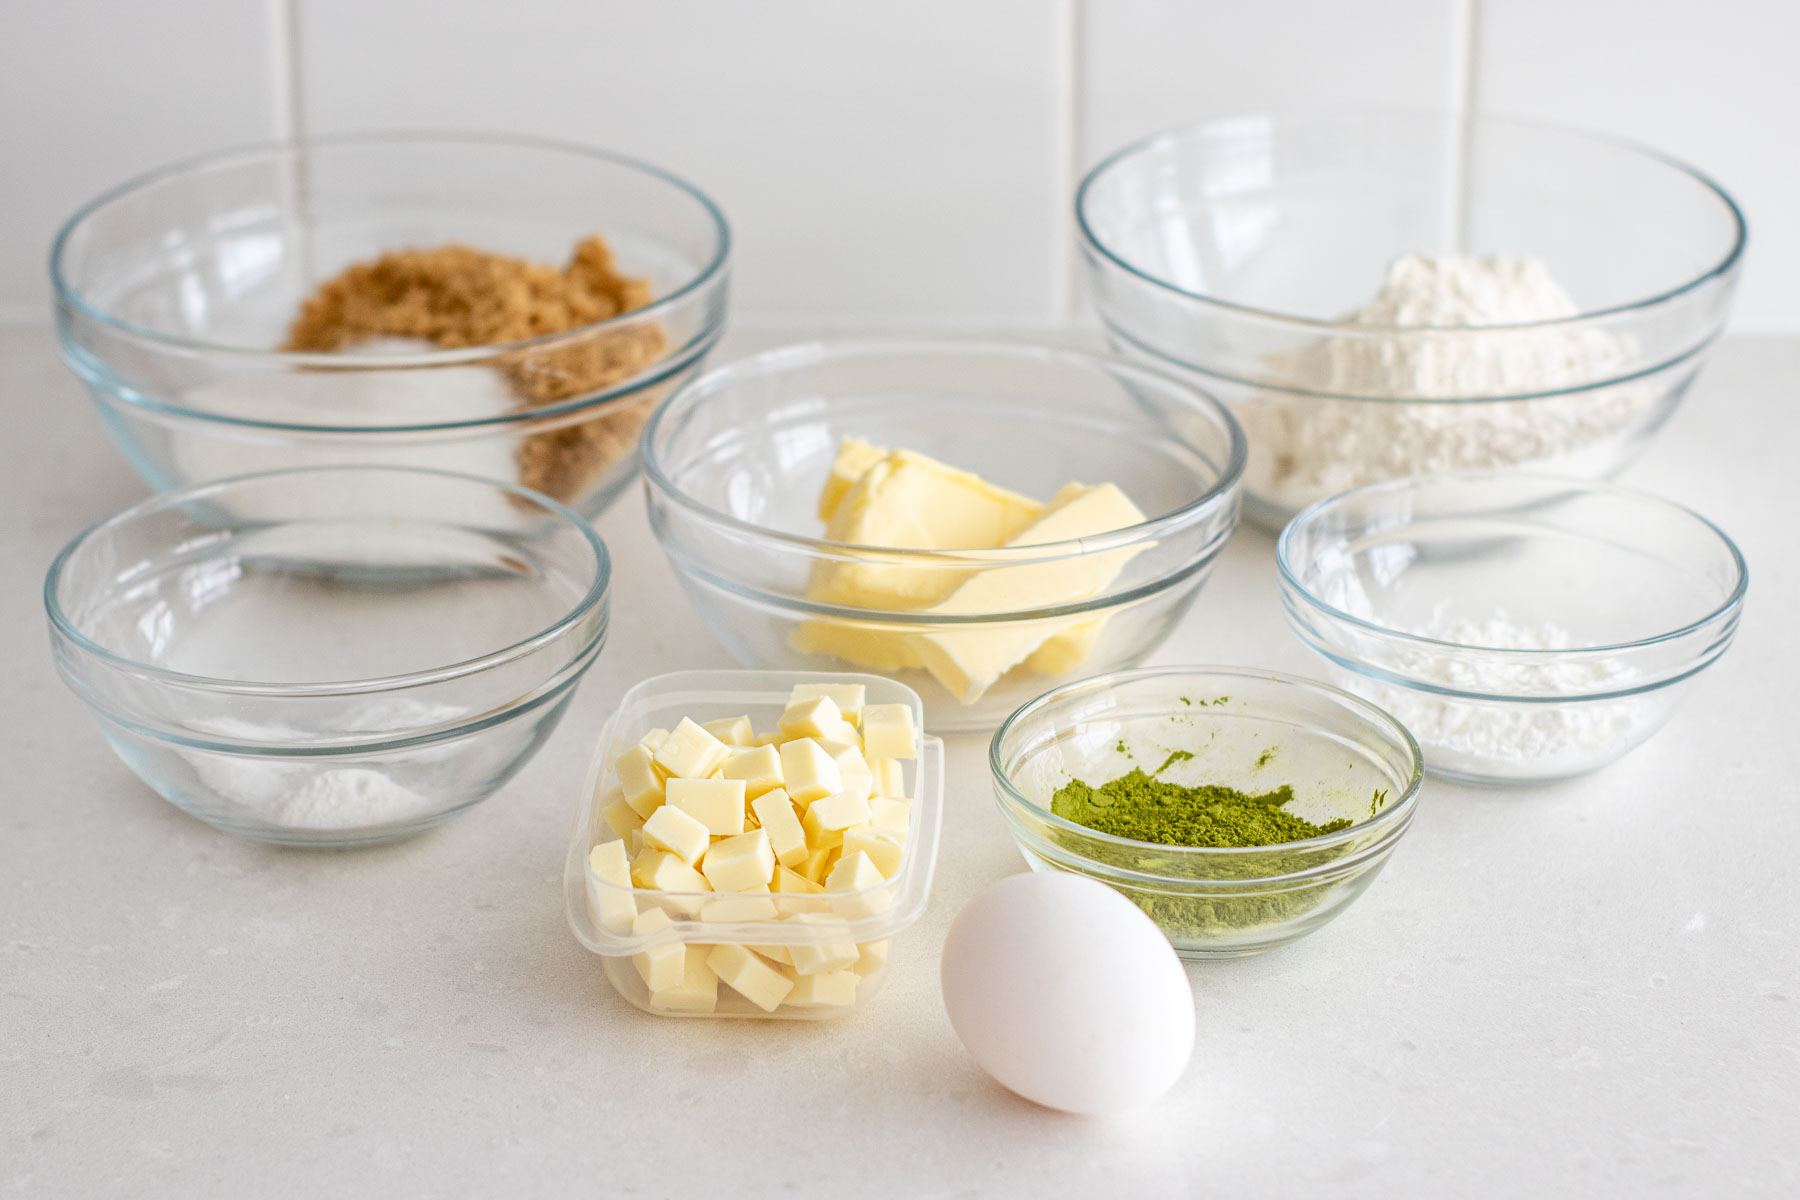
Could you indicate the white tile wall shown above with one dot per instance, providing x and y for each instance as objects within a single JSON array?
[
  {"x": 95, "y": 91},
  {"x": 1714, "y": 84},
  {"x": 907, "y": 163}
]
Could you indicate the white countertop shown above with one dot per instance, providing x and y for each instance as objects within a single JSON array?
[{"x": 1589, "y": 989}]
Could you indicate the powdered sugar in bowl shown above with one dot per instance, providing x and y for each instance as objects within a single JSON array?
[
  {"x": 334, "y": 655},
  {"x": 1522, "y": 627}
]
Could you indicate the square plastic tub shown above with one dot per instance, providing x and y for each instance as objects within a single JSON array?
[{"x": 866, "y": 919}]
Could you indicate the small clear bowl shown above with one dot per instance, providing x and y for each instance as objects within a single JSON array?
[
  {"x": 1251, "y": 730},
  {"x": 174, "y": 290},
  {"x": 1523, "y": 627},
  {"x": 1234, "y": 248},
  {"x": 330, "y": 656},
  {"x": 735, "y": 461},
  {"x": 659, "y": 703}
]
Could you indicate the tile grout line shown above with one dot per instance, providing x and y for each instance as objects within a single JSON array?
[
  {"x": 1465, "y": 26},
  {"x": 285, "y": 76},
  {"x": 1068, "y": 155}
]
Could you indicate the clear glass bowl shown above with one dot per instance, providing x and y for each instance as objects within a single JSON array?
[
  {"x": 734, "y": 463},
  {"x": 1250, "y": 730},
  {"x": 174, "y": 290},
  {"x": 660, "y": 702},
  {"x": 1523, "y": 627},
  {"x": 1233, "y": 249},
  {"x": 332, "y": 655}
]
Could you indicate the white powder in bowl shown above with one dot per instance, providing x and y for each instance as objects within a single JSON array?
[
  {"x": 1472, "y": 732},
  {"x": 1304, "y": 449}
]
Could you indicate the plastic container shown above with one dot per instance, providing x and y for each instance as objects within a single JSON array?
[
  {"x": 1246, "y": 729},
  {"x": 661, "y": 702}
]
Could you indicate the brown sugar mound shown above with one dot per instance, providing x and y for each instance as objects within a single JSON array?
[{"x": 456, "y": 296}]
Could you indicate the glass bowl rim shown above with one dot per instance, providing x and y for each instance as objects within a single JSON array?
[
  {"x": 1388, "y": 824},
  {"x": 1311, "y": 513},
  {"x": 65, "y": 627},
  {"x": 272, "y": 150},
  {"x": 1389, "y": 115},
  {"x": 783, "y": 359}
]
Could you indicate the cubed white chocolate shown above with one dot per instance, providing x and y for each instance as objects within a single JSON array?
[
  {"x": 698, "y": 990},
  {"x": 775, "y": 816},
  {"x": 818, "y": 864},
  {"x": 871, "y": 957},
  {"x": 891, "y": 817},
  {"x": 733, "y": 731},
  {"x": 808, "y": 772},
  {"x": 671, "y": 829},
  {"x": 655, "y": 738},
  {"x": 887, "y": 731},
  {"x": 739, "y": 906},
  {"x": 690, "y": 752},
  {"x": 847, "y": 696},
  {"x": 815, "y": 718},
  {"x": 827, "y": 818},
  {"x": 834, "y": 989},
  {"x": 817, "y": 958},
  {"x": 619, "y": 816},
  {"x": 634, "y": 842},
  {"x": 751, "y": 977},
  {"x": 664, "y": 872},
  {"x": 717, "y": 804},
  {"x": 613, "y": 907},
  {"x": 890, "y": 777},
  {"x": 758, "y": 766},
  {"x": 744, "y": 863},
  {"x": 640, "y": 783},
  {"x": 664, "y": 965},
  {"x": 856, "y": 888},
  {"x": 775, "y": 954},
  {"x": 882, "y": 850},
  {"x": 789, "y": 882}
]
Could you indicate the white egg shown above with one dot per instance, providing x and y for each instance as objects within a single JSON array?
[{"x": 1068, "y": 994}]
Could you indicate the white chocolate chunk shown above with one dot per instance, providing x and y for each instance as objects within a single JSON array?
[
  {"x": 890, "y": 777},
  {"x": 733, "y": 731},
  {"x": 664, "y": 965},
  {"x": 790, "y": 882},
  {"x": 744, "y": 863},
  {"x": 818, "y": 864},
  {"x": 775, "y": 954},
  {"x": 808, "y": 772},
  {"x": 740, "y": 906},
  {"x": 873, "y": 957},
  {"x": 691, "y": 752},
  {"x": 655, "y": 738},
  {"x": 847, "y": 696},
  {"x": 817, "y": 958},
  {"x": 891, "y": 817},
  {"x": 835, "y": 988},
  {"x": 775, "y": 816},
  {"x": 813, "y": 718},
  {"x": 888, "y": 731},
  {"x": 671, "y": 829},
  {"x": 613, "y": 907},
  {"x": 698, "y": 990},
  {"x": 759, "y": 767},
  {"x": 826, "y": 819},
  {"x": 619, "y": 816},
  {"x": 634, "y": 842},
  {"x": 640, "y": 782},
  {"x": 856, "y": 888},
  {"x": 752, "y": 978},
  {"x": 882, "y": 850},
  {"x": 717, "y": 804},
  {"x": 658, "y": 870}
]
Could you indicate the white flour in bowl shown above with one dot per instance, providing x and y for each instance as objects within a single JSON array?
[{"x": 1304, "y": 449}]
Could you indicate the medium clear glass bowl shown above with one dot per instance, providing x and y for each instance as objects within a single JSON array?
[
  {"x": 735, "y": 461},
  {"x": 174, "y": 290},
  {"x": 1233, "y": 249},
  {"x": 332, "y": 655},
  {"x": 1251, "y": 730},
  {"x": 1523, "y": 627}
]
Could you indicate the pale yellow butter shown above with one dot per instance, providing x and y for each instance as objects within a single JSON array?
[{"x": 854, "y": 458}]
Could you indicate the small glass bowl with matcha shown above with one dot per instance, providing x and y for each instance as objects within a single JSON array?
[{"x": 1240, "y": 809}]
